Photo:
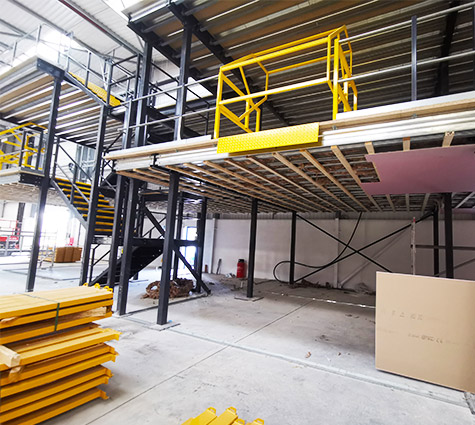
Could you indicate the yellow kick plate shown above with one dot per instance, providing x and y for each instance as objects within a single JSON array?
[{"x": 285, "y": 137}]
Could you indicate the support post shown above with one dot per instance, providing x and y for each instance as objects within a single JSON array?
[
  {"x": 179, "y": 226},
  {"x": 435, "y": 223},
  {"x": 132, "y": 195},
  {"x": 45, "y": 183},
  {"x": 94, "y": 196},
  {"x": 201, "y": 241},
  {"x": 414, "y": 58},
  {"x": 252, "y": 249},
  {"x": 473, "y": 43},
  {"x": 449, "y": 241},
  {"x": 182, "y": 80},
  {"x": 293, "y": 236},
  {"x": 120, "y": 193},
  {"x": 168, "y": 243}
]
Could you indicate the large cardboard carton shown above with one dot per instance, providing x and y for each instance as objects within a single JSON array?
[{"x": 425, "y": 329}]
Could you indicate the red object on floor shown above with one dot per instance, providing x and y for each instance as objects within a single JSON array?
[{"x": 241, "y": 269}]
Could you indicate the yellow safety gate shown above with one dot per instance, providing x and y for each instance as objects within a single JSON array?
[{"x": 268, "y": 61}]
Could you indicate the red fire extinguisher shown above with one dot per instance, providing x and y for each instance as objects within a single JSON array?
[{"x": 241, "y": 269}]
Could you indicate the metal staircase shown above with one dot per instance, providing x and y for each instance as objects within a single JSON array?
[
  {"x": 142, "y": 255},
  {"x": 79, "y": 196}
]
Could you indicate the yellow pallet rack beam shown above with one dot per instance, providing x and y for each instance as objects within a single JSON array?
[
  {"x": 65, "y": 342},
  {"x": 31, "y": 318},
  {"x": 47, "y": 366},
  {"x": 55, "y": 375},
  {"x": 48, "y": 326},
  {"x": 37, "y": 398},
  {"x": 58, "y": 408},
  {"x": 37, "y": 302}
]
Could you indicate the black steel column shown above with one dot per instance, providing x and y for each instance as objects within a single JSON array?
[
  {"x": 94, "y": 196},
  {"x": 45, "y": 183},
  {"x": 473, "y": 42},
  {"x": 293, "y": 236},
  {"x": 120, "y": 192},
  {"x": 179, "y": 225},
  {"x": 449, "y": 239},
  {"x": 19, "y": 218},
  {"x": 252, "y": 249},
  {"x": 132, "y": 194},
  {"x": 435, "y": 223},
  {"x": 182, "y": 80},
  {"x": 414, "y": 58},
  {"x": 168, "y": 243},
  {"x": 201, "y": 241}
]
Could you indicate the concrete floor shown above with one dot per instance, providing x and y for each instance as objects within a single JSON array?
[{"x": 297, "y": 356}]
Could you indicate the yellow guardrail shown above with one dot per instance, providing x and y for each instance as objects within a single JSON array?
[
  {"x": 13, "y": 158},
  {"x": 268, "y": 61}
]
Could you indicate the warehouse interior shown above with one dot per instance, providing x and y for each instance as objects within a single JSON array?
[{"x": 267, "y": 205}]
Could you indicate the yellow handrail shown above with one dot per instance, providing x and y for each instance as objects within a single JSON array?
[
  {"x": 13, "y": 158},
  {"x": 342, "y": 60}
]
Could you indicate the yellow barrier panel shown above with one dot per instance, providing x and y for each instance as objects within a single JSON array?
[{"x": 285, "y": 137}]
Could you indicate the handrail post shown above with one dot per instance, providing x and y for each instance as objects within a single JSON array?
[{"x": 414, "y": 58}]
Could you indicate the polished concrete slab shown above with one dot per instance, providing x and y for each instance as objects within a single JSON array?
[{"x": 297, "y": 356}]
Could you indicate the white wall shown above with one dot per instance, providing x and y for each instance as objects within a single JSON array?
[{"x": 315, "y": 248}]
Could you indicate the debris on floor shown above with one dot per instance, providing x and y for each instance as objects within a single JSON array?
[{"x": 178, "y": 288}]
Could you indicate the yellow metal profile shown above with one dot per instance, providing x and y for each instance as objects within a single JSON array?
[
  {"x": 50, "y": 365},
  {"x": 45, "y": 348},
  {"x": 58, "y": 408},
  {"x": 228, "y": 417},
  {"x": 37, "y": 398},
  {"x": 285, "y": 137},
  {"x": 46, "y": 378}
]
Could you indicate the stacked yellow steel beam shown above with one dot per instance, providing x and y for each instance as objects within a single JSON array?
[{"x": 52, "y": 353}]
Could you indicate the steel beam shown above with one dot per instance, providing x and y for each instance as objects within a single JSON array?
[
  {"x": 414, "y": 58},
  {"x": 442, "y": 79},
  {"x": 182, "y": 80},
  {"x": 435, "y": 223},
  {"x": 45, "y": 184},
  {"x": 252, "y": 249},
  {"x": 449, "y": 239},
  {"x": 201, "y": 241},
  {"x": 293, "y": 237},
  {"x": 179, "y": 225},
  {"x": 168, "y": 243},
  {"x": 94, "y": 196}
]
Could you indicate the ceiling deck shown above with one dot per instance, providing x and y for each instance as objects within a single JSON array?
[
  {"x": 25, "y": 97},
  {"x": 236, "y": 28},
  {"x": 314, "y": 178}
]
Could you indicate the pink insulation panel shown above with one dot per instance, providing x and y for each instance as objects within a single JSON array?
[{"x": 433, "y": 170}]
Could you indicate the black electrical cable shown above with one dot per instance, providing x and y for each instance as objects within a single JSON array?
[{"x": 320, "y": 267}]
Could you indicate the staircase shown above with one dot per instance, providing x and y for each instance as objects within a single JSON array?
[
  {"x": 105, "y": 211},
  {"x": 142, "y": 256}
]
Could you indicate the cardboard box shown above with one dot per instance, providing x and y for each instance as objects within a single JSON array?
[{"x": 425, "y": 329}]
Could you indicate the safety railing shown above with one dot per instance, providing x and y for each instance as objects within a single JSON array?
[
  {"x": 22, "y": 147},
  {"x": 337, "y": 56}
]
